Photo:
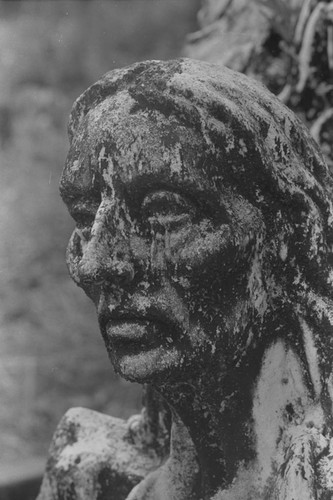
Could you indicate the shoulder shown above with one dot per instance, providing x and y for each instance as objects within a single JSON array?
[{"x": 94, "y": 452}]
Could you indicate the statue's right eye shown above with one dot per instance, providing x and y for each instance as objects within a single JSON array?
[
  {"x": 84, "y": 220},
  {"x": 83, "y": 216}
]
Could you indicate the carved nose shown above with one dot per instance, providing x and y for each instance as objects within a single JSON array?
[
  {"x": 106, "y": 257},
  {"x": 105, "y": 262}
]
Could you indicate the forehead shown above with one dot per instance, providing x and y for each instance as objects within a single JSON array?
[{"x": 118, "y": 138}]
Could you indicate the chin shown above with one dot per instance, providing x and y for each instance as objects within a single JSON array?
[{"x": 153, "y": 366}]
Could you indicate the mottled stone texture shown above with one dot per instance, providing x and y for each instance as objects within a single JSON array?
[
  {"x": 203, "y": 213},
  {"x": 94, "y": 456}
]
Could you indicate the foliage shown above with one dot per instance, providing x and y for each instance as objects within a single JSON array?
[{"x": 282, "y": 15}]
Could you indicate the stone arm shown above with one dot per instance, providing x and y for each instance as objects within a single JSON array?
[{"x": 95, "y": 456}]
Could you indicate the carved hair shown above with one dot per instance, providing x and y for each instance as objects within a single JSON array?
[{"x": 269, "y": 155}]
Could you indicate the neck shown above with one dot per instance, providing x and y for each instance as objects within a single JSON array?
[
  {"x": 230, "y": 422},
  {"x": 223, "y": 408}
]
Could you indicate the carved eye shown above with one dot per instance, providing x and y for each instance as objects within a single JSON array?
[
  {"x": 168, "y": 209},
  {"x": 83, "y": 216},
  {"x": 84, "y": 221}
]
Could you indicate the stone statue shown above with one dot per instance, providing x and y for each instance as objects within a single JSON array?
[{"x": 203, "y": 235}]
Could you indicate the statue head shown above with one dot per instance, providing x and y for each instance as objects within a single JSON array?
[{"x": 203, "y": 222}]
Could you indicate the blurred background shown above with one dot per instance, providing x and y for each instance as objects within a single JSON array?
[{"x": 51, "y": 354}]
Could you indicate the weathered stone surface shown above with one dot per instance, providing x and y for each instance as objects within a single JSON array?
[
  {"x": 204, "y": 213},
  {"x": 95, "y": 457}
]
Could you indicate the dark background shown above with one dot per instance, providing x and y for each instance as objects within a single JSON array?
[{"x": 51, "y": 354}]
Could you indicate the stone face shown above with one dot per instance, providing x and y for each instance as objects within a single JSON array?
[{"x": 203, "y": 213}]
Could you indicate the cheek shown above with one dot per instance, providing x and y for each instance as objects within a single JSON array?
[
  {"x": 211, "y": 271},
  {"x": 195, "y": 247},
  {"x": 202, "y": 256}
]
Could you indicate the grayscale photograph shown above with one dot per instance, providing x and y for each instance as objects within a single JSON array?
[{"x": 167, "y": 250}]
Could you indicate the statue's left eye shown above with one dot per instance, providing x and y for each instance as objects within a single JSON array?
[{"x": 167, "y": 208}]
